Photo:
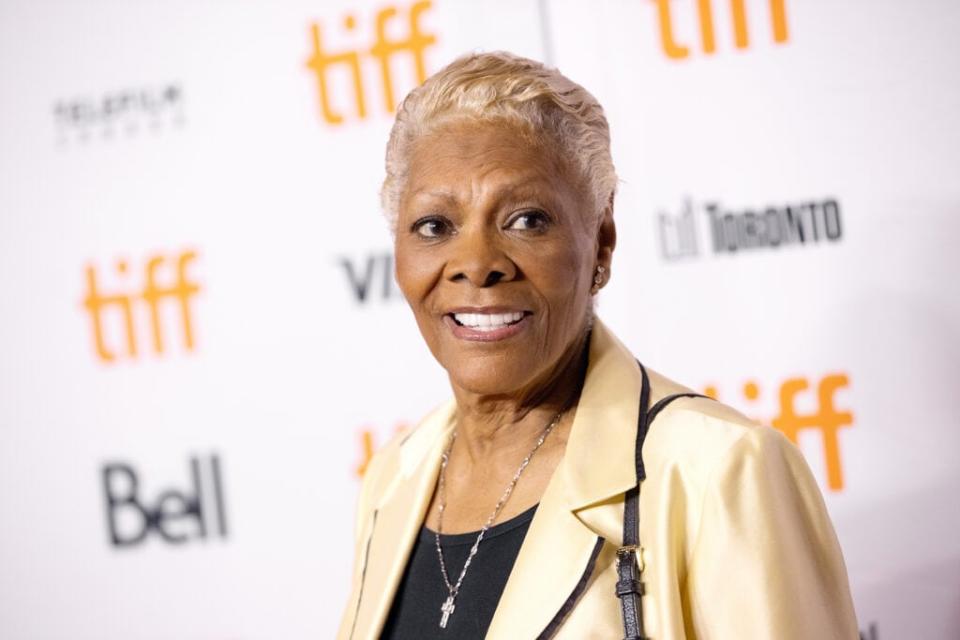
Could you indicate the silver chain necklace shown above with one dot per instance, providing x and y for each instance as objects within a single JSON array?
[{"x": 454, "y": 589}]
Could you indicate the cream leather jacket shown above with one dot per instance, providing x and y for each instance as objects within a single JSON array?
[{"x": 736, "y": 541}]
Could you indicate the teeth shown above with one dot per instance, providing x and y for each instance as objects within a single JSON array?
[{"x": 488, "y": 321}]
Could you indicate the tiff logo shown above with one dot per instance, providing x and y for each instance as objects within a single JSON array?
[
  {"x": 179, "y": 290},
  {"x": 826, "y": 418},
  {"x": 350, "y": 62},
  {"x": 705, "y": 19},
  {"x": 678, "y": 234},
  {"x": 176, "y": 516},
  {"x": 370, "y": 278}
]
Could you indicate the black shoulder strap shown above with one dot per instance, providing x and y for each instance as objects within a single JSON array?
[{"x": 629, "y": 586}]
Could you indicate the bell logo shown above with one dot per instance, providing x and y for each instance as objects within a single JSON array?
[
  {"x": 176, "y": 516},
  {"x": 738, "y": 15},
  {"x": 179, "y": 292},
  {"x": 351, "y": 61}
]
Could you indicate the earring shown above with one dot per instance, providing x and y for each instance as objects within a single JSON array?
[{"x": 598, "y": 279}]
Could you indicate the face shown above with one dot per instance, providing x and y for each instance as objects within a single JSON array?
[{"x": 496, "y": 250}]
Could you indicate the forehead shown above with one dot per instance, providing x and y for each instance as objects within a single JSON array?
[{"x": 479, "y": 156}]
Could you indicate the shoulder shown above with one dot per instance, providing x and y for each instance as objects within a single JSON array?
[
  {"x": 719, "y": 471},
  {"x": 405, "y": 447},
  {"x": 740, "y": 494},
  {"x": 700, "y": 437}
]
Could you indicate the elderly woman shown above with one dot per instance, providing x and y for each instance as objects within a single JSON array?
[{"x": 545, "y": 500}]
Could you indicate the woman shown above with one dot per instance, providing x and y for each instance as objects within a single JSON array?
[{"x": 512, "y": 511}]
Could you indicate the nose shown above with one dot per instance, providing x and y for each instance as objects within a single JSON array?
[{"x": 479, "y": 258}]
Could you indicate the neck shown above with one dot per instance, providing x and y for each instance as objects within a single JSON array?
[{"x": 489, "y": 424}]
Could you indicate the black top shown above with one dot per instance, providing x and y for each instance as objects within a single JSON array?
[{"x": 415, "y": 614}]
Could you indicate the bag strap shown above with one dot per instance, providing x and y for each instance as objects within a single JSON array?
[{"x": 629, "y": 587}]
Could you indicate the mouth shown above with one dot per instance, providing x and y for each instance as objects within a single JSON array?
[
  {"x": 487, "y": 321},
  {"x": 486, "y": 325}
]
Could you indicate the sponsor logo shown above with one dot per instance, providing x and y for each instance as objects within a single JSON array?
[
  {"x": 126, "y": 301},
  {"x": 676, "y": 50},
  {"x": 126, "y": 112},
  {"x": 825, "y": 418},
  {"x": 176, "y": 516},
  {"x": 678, "y": 233},
  {"x": 341, "y": 72},
  {"x": 370, "y": 277},
  {"x": 739, "y": 230}
]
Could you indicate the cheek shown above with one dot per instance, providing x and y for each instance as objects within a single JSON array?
[
  {"x": 565, "y": 269},
  {"x": 415, "y": 274},
  {"x": 560, "y": 277}
]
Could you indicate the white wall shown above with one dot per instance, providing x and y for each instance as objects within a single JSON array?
[{"x": 132, "y": 131}]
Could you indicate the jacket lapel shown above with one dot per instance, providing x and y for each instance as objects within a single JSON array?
[
  {"x": 575, "y": 508},
  {"x": 399, "y": 516}
]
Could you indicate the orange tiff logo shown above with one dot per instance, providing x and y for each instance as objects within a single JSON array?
[
  {"x": 384, "y": 48},
  {"x": 149, "y": 297},
  {"x": 826, "y": 418},
  {"x": 738, "y": 15}
]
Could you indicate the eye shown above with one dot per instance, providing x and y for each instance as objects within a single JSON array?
[
  {"x": 432, "y": 227},
  {"x": 532, "y": 220}
]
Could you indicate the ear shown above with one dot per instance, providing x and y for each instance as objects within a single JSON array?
[{"x": 606, "y": 238}]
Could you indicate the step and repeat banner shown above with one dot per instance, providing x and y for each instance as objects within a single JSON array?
[{"x": 202, "y": 344}]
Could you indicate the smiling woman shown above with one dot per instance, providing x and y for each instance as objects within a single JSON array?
[
  {"x": 542, "y": 500},
  {"x": 492, "y": 227}
]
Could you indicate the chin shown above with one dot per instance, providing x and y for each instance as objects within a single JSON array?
[{"x": 489, "y": 376}]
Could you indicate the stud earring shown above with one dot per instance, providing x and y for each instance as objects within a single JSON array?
[{"x": 598, "y": 279}]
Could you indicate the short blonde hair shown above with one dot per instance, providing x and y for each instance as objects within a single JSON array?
[{"x": 501, "y": 86}]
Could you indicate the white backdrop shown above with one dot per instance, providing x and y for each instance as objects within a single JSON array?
[{"x": 253, "y": 348}]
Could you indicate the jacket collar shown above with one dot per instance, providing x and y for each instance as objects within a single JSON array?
[
  {"x": 605, "y": 421},
  {"x": 579, "y": 506}
]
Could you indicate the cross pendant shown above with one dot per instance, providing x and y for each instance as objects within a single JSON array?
[{"x": 447, "y": 609}]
